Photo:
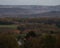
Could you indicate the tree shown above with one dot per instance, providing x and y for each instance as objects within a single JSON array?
[
  {"x": 49, "y": 41},
  {"x": 21, "y": 28},
  {"x": 31, "y": 34},
  {"x": 43, "y": 41}
]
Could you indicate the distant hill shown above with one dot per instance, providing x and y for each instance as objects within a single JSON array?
[
  {"x": 51, "y": 14},
  {"x": 46, "y": 14},
  {"x": 28, "y": 11}
]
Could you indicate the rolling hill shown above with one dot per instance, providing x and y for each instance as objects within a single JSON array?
[{"x": 29, "y": 11}]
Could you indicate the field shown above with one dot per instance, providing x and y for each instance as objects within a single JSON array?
[{"x": 9, "y": 26}]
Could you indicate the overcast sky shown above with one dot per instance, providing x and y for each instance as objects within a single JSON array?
[{"x": 29, "y": 2}]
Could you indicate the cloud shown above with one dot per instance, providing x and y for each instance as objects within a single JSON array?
[{"x": 30, "y": 2}]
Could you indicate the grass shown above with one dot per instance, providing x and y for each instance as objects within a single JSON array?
[{"x": 9, "y": 26}]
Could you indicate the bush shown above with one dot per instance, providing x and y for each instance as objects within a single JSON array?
[
  {"x": 8, "y": 41},
  {"x": 44, "y": 41}
]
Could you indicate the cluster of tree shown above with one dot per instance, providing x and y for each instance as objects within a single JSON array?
[
  {"x": 58, "y": 25},
  {"x": 33, "y": 20},
  {"x": 43, "y": 41},
  {"x": 5, "y": 23},
  {"x": 32, "y": 40},
  {"x": 39, "y": 28}
]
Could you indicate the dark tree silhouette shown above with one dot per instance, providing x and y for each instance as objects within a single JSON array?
[{"x": 31, "y": 34}]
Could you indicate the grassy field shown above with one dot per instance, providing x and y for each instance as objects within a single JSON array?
[{"x": 9, "y": 26}]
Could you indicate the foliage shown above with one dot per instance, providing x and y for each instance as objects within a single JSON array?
[
  {"x": 46, "y": 41},
  {"x": 8, "y": 41}
]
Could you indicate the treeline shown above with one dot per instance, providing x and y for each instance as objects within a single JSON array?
[
  {"x": 6, "y": 23},
  {"x": 7, "y": 20}
]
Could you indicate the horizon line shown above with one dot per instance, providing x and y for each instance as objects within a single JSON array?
[{"x": 33, "y": 5}]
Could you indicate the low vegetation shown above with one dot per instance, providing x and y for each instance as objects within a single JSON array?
[{"x": 30, "y": 33}]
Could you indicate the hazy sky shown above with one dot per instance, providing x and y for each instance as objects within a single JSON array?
[{"x": 29, "y": 2}]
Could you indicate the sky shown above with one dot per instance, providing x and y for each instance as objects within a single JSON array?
[{"x": 29, "y": 2}]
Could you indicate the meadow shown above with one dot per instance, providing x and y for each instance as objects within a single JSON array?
[{"x": 9, "y": 26}]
